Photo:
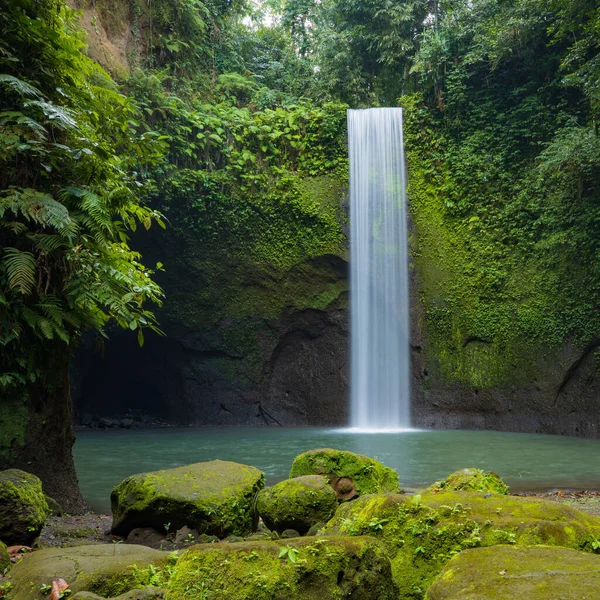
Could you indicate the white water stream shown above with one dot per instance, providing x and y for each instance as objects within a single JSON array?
[{"x": 380, "y": 387}]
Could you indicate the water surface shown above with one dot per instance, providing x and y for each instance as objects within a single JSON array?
[{"x": 526, "y": 462}]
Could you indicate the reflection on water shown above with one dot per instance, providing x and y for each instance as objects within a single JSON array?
[{"x": 526, "y": 462}]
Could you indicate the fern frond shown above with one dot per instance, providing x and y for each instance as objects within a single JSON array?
[
  {"x": 14, "y": 226},
  {"x": 20, "y": 268},
  {"x": 59, "y": 116},
  {"x": 20, "y": 86},
  {"x": 48, "y": 242}
]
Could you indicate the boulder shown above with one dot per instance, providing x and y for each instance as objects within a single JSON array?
[
  {"x": 349, "y": 474},
  {"x": 508, "y": 572},
  {"x": 216, "y": 498},
  {"x": 146, "y": 536},
  {"x": 470, "y": 480},
  {"x": 4, "y": 557},
  {"x": 107, "y": 570},
  {"x": 301, "y": 568},
  {"x": 23, "y": 507},
  {"x": 423, "y": 532},
  {"x": 297, "y": 503}
]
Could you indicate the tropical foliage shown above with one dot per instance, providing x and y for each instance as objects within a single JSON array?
[{"x": 72, "y": 166}]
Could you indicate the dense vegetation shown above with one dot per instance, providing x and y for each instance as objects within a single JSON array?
[{"x": 229, "y": 119}]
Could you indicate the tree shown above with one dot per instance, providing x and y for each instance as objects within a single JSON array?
[{"x": 72, "y": 164}]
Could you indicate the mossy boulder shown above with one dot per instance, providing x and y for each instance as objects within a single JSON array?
[
  {"x": 507, "y": 572},
  {"x": 107, "y": 570},
  {"x": 423, "y": 532},
  {"x": 349, "y": 474},
  {"x": 471, "y": 480},
  {"x": 23, "y": 507},
  {"x": 297, "y": 503},
  {"x": 4, "y": 557},
  {"x": 216, "y": 498},
  {"x": 302, "y": 569}
]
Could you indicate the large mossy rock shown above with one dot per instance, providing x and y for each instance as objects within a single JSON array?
[
  {"x": 471, "y": 480},
  {"x": 23, "y": 507},
  {"x": 349, "y": 474},
  {"x": 216, "y": 498},
  {"x": 297, "y": 503},
  {"x": 107, "y": 570},
  {"x": 4, "y": 557},
  {"x": 508, "y": 572},
  {"x": 423, "y": 532},
  {"x": 302, "y": 568}
]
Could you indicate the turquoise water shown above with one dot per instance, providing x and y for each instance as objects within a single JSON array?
[{"x": 526, "y": 462}]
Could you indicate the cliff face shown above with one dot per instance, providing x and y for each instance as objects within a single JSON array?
[
  {"x": 256, "y": 316},
  {"x": 246, "y": 342},
  {"x": 497, "y": 350}
]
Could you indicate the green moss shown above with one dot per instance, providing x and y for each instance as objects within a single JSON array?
[
  {"x": 470, "y": 480},
  {"x": 506, "y": 572},
  {"x": 424, "y": 532},
  {"x": 494, "y": 309},
  {"x": 215, "y": 497},
  {"x": 108, "y": 570},
  {"x": 301, "y": 568},
  {"x": 23, "y": 507},
  {"x": 297, "y": 503},
  {"x": 350, "y": 474},
  {"x": 112, "y": 583},
  {"x": 4, "y": 557}
]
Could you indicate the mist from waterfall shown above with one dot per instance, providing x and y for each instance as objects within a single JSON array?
[{"x": 380, "y": 387}]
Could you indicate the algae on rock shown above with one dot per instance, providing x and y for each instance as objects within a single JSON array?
[
  {"x": 349, "y": 474},
  {"x": 215, "y": 497}
]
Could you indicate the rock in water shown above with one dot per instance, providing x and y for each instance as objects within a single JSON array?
[
  {"x": 106, "y": 569},
  {"x": 216, "y": 498},
  {"x": 23, "y": 507},
  {"x": 470, "y": 480},
  {"x": 349, "y": 474},
  {"x": 507, "y": 572},
  {"x": 297, "y": 503},
  {"x": 299, "y": 569}
]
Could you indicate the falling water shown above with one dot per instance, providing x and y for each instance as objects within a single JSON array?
[{"x": 379, "y": 271}]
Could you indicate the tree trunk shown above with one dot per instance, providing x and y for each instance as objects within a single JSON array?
[{"x": 38, "y": 433}]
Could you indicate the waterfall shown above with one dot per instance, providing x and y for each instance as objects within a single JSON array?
[{"x": 379, "y": 301}]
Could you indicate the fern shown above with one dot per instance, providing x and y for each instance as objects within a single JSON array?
[
  {"x": 59, "y": 116},
  {"x": 20, "y": 86},
  {"x": 20, "y": 268}
]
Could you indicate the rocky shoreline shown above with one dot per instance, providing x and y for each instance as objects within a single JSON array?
[{"x": 339, "y": 527}]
